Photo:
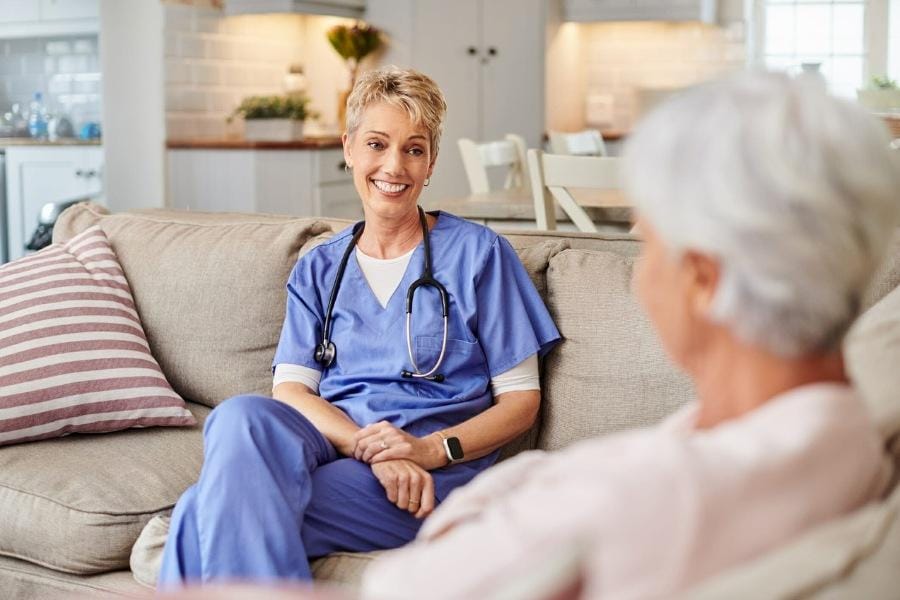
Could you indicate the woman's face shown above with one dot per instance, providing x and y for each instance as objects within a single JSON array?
[
  {"x": 391, "y": 158},
  {"x": 675, "y": 292}
]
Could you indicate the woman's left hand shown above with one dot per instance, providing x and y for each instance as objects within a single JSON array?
[{"x": 382, "y": 441}]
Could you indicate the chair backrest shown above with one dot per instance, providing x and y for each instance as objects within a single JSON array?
[
  {"x": 581, "y": 143},
  {"x": 508, "y": 152},
  {"x": 553, "y": 175}
]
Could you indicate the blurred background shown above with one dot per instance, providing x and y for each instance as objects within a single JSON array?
[{"x": 146, "y": 103}]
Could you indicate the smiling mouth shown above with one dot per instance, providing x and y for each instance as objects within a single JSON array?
[{"x": 389, "y": 188}]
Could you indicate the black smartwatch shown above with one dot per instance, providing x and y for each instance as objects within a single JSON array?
[{"x": 452, "y": 447}]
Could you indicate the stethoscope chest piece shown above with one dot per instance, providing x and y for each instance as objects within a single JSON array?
[{"x": 325, "y": 353}]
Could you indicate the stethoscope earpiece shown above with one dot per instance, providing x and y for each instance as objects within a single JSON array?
[{"x": 326, "y": 351}]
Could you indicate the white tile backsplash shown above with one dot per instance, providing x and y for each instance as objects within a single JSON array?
[
  {"x": 65, "y": 69},
  {"x": 630, "y": 61},
  {"x": 214, "y": 61}
]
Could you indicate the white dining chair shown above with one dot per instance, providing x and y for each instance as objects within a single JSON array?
[
  {"x": 553, "y": 175},
  {"x": 508, "y": 152},
  {"x": 581, "y": 143}
]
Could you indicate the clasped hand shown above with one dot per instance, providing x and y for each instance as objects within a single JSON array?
[
  {"x": 400, "y": 462},
  {"x": 382, "y": 441}
]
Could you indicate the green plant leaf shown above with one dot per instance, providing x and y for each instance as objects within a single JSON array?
[{"x": 274, "y": 107}]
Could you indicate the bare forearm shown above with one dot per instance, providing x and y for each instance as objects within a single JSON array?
[
  {"x": 331, "y": 421},
  {"x": 511, "y": 415}
]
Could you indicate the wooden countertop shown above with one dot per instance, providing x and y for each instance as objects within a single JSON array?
[
  {"x": 311, "y": 143},
  {"x": 501, "y": 205},
  {"x": 24, "y": 141}
]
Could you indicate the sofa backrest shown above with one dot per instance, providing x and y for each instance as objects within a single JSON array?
[{"x": 210, "y": 289}]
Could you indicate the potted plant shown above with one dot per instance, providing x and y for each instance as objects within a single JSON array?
[
  {"x": 274, "y": 118},
  {"x": 881, "y": 95},
  {"x": 353, "y": 44}
]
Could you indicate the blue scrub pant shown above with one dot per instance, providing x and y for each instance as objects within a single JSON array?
[{"x": 273, "y": 494}]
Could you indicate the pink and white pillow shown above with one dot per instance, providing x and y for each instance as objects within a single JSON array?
[{"x": 73, "y": 354}]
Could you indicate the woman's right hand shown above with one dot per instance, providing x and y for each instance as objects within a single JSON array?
[{"x": 408, "y": 485}]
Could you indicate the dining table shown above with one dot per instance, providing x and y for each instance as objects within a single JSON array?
[{"x": 515, "y": 207}]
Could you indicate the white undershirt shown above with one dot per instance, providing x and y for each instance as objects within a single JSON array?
[{"x": 384, "y": 276}]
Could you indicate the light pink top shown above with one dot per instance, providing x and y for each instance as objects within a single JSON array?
[{"x": 650, "y": 512}]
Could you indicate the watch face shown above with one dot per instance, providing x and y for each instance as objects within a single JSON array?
[{"x": 455, "y": 447}]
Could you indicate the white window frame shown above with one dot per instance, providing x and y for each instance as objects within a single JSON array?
[{"x": 875, "y": 36}]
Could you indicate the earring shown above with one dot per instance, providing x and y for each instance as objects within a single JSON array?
[
  {"x": 427, "y": 181},
  {"x": 347, "y": 167}
]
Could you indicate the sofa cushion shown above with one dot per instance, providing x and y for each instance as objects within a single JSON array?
[
  {"x": 610, "y": 372},
  {"x": 77, "y": 504},
  {"x": 210, "y": 289},
  {"x": 887, "y": 277},
  {"x": 27, "y": 581},
  {"x": 73, "y": 355},
  {"x": 872, "y": 353}
]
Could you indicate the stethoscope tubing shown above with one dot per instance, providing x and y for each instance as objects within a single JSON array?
[{"x": 326, "y": 351}]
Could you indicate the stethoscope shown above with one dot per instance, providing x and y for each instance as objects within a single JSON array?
[{"x": 326, "y": 350}]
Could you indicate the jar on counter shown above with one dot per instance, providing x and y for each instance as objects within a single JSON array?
[{"x": 295, "y": 81}]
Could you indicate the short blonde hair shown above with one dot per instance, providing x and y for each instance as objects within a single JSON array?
[{"x": 411, "y": 90}]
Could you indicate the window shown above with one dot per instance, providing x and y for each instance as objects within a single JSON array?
[
  {"x": 832, "y": 33},
  {"x": 894, "y": 40}
]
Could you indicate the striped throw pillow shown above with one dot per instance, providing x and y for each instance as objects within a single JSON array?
[{"x": 73, "y": 354}]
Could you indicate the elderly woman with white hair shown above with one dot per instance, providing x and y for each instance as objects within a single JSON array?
[{"x": 765, "y": 206}]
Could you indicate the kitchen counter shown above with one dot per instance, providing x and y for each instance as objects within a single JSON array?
[
  {"x": 24, "y": 141},
  {"x": 311, "y": 143}
]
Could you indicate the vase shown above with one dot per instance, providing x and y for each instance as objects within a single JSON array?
[{"x": 273, "y": 130}]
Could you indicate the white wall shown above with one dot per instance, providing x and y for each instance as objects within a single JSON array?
[{"x": 131, "y": 51}]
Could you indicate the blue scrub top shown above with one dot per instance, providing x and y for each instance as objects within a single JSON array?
[{"x": 496, "y": 320}]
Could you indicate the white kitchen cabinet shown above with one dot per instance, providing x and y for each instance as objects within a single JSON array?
[
  {"x": 293, "y": 182},
  {"x": 42, "y": 18},
  {"x": 54, "y": 10},
  {"x": 42, "y": 174},
  {"x": 640, "y": 10},
  {"x": 487, "y": 56},
  {"x": 334, "y": 8},
  {"x": 19, "y": 11}
]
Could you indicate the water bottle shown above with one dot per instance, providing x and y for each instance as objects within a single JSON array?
[{"x": 37, "y": 117}]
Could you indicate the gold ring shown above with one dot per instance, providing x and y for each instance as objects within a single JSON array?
[{"x": 411, "y": 502}]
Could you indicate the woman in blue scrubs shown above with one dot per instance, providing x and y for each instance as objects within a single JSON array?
[{"x": 378, "y": 411}]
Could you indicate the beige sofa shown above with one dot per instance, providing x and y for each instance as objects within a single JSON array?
[{"x": 210, "y": 292}]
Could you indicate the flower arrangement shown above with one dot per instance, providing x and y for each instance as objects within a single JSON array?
[
  {"x": 295, "y": 108},
  {"x": 354, "y": 44}
]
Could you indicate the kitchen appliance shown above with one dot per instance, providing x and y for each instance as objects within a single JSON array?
[{"x": 50, "y": 211}]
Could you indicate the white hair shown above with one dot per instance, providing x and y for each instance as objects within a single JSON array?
[{"x": 793, "y": 191}]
